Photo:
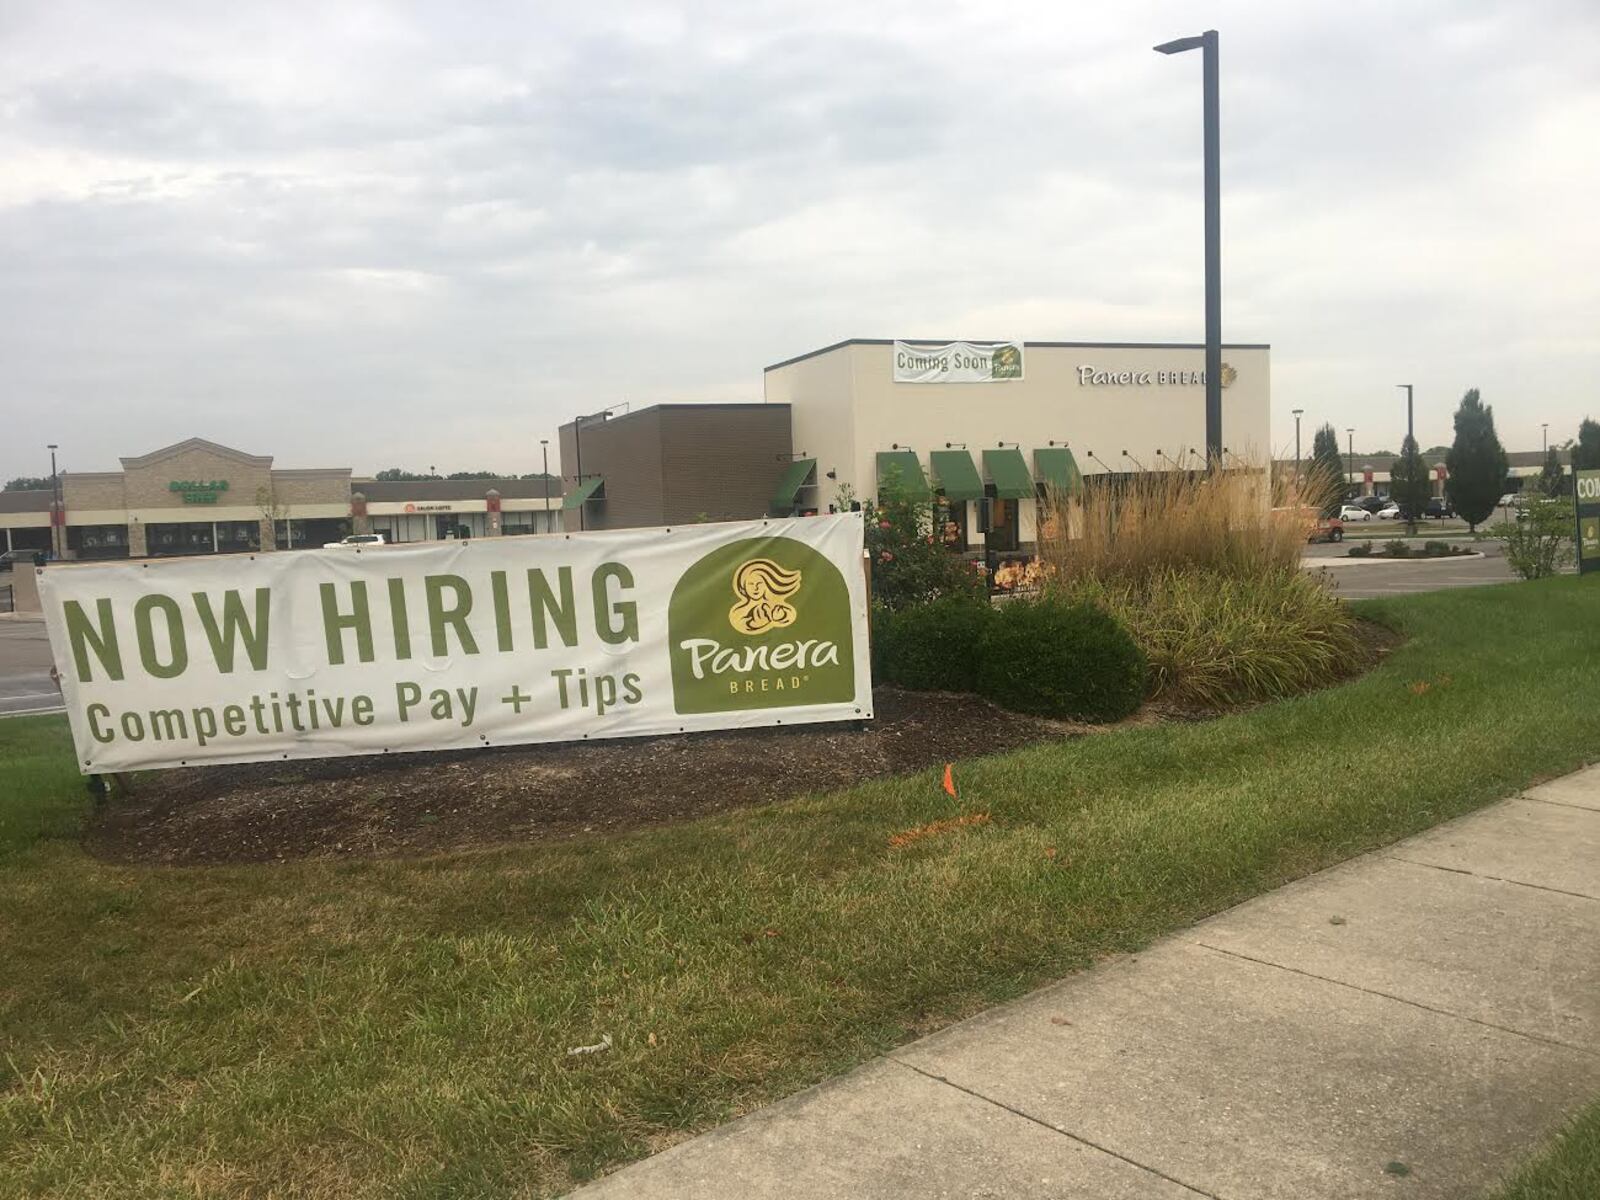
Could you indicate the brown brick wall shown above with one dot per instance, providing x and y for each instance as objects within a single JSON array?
[
  {"x": 722, "y": 462},
  {"x": 627, "y": 451},
  {"x": 673, "y": 464}
]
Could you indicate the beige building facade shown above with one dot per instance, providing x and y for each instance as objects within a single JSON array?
[
  {"x": 1114, "y": 408},
  {"x": 200, "y": 497}
]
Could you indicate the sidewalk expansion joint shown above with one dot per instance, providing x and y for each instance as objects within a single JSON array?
[
  {"x": 1557, "y": 803},
  {"x": 1538, "y": 887},
  {"x": 1082, "y": 1141},
  {"x": 1443, "y": 1012}
]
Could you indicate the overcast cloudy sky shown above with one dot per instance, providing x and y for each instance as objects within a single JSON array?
[{"x": 424, "y": 233}]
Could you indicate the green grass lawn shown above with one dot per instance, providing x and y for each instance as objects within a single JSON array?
[
  {"x": 1568, "y": 1169},
  {"x": 349, "y": 1028}
]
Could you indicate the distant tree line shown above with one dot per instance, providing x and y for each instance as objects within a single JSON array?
[
  {"x": 28, "y": 483},
  {"x": 401, "y": 475}
]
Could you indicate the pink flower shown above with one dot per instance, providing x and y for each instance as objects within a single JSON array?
[
  {"x": 884, "y": 525},
  {"x": 885, "y": 557}
]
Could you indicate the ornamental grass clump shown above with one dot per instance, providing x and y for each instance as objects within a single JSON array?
[{"x": 1204, "y": 571}]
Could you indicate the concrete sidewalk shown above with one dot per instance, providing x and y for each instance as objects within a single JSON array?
[{"x": 1410, "y": 1023}]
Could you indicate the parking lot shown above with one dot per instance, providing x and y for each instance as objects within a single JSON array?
[
  {"x": 25, "y": 684},
  {"x": 1362, "y": 578}
]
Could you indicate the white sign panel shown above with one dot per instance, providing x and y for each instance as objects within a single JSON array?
[
  {"x": 448, "y": 646},
  {"x": 958, "y": 362}
]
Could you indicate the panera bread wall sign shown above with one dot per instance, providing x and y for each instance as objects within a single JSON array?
[{"x": 198, "y": 491}]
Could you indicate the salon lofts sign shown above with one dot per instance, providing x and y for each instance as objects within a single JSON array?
[{"x": 487, "y": 642}]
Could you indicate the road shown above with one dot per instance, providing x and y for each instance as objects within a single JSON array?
[
  {"x": 25, "y": 684},
  {"x": 1359, "y": 579}
]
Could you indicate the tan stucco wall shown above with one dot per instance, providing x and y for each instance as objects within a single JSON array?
[{"x": 847, "y": 408}]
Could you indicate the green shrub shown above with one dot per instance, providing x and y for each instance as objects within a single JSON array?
[
  {"x": 933, "y": 647},
  {"x": 1213, "y": 639},
  {"x": 1397, "y": 549},
  {"x": 1057, "y": 658},
  {"x": 1362, "y": 550},
  {"x": 1539, "y": 544}
]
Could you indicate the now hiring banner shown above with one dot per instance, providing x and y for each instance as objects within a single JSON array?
[{"x": 449, "y": 646}]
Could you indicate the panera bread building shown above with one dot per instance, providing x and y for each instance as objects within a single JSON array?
[
  {"x": 198, "y": 497},
  {"x": 990, "y": 428}
]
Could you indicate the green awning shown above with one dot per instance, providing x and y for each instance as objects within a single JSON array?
[
  {"x": 1010, "y": 474},
  {"x": 1056, "y": 467},
  {"x": 794, "y": 478},
  {"x": 903, "y": 465},
  {"x": 586, "y": 488},
  {"x": 957, "y": 474}
]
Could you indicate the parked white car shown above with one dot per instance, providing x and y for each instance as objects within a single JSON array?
[
  {"x": 1389, "y": 512},
  {"x": 1353, "y": 512},
  {"x": 357, "y": 541}
]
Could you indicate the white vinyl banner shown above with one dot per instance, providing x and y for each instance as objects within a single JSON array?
[
  {"x": 958, "y": 362},
  {"x": 448, "y": 646}
]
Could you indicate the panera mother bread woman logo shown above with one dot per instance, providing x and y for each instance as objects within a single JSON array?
[{"x": 760, "y": 623}]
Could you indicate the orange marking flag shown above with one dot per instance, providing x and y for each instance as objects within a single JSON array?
[{"x": 950, "y": 780}]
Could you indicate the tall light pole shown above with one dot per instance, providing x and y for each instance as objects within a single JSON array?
[
  {"x": 1206, "y": 43},
  {"x": 544, "y": 453},
  {"x": 1297, "y": 412},
  {"x": 1544, "y": 432},
  {"x": 55, "y": 505},
  {"x": 1411, "y": 436},
  {"x": 1350, "y": 462}
]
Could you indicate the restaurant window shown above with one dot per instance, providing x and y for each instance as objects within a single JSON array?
[
  {"x": 1004, "y": 534},
  {"x": 952, "y": 525}
]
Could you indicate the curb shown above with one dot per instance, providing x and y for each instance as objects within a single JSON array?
[{"x": 1384, "y": 560}]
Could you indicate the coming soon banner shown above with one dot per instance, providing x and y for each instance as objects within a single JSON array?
[
  {"x": 957, "y": 362},
  {"x": 448, "y": 646}
]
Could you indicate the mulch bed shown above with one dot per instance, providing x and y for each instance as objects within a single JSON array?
[{"x": 387, "y": 805}]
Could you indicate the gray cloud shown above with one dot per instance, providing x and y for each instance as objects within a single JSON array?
[{"x": 409, "y": 233}]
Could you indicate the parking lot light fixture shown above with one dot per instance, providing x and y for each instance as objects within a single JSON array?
[{"x": 1206, "y": 43}]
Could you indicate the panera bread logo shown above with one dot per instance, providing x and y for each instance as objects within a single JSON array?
[
  {"x": 1006, "y": 363},
  {"x": 1092, "y": 376},
  {"x": 790, "y": 641},
  {"x": 762, "y": 587}
]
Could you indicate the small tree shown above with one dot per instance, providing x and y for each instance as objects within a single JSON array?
[
  {"x": 1552, "y": 479},
  {"x": 1408, "y": 481},
  {"x": 1586, "y": 453},
  {"x": 1325, "y": 457},
  {"x": 1476, "y": 462},
  {"x": 1539, "y": 543}
]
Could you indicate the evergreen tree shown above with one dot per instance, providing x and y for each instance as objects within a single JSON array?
[
  {"x": 1552, "y": 479},
  {"x": 1476, "y": 462},
  {"x": 1408, "y": 481},
  {"x": 1326, "y": 461},
  {"x": 1586, "y": 454}
]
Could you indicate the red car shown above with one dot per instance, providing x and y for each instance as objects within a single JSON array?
[{"x": 1328, "y": 529}]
